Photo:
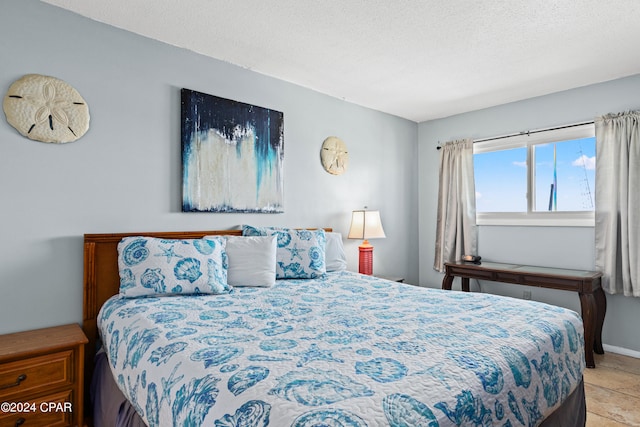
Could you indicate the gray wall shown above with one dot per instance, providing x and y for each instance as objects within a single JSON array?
[
  {"x": 124, "y": 174},
  {"x": 569, "y": 247}
]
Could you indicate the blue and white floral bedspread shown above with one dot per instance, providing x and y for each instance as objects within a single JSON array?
[{"x": 345, "y": 350}]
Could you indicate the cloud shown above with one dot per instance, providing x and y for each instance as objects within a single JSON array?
[
  {"x": 520, "y": 164},
  {"x": 588, "y": 163},
  {"x": 478, "y": 195}
]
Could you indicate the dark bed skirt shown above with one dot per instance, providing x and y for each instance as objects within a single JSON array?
[
  {"x": 572, "y": 413},
  {"x": 111, "y": 408}
]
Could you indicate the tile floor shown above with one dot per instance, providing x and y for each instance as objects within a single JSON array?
[{"x": 613, "y": 391}]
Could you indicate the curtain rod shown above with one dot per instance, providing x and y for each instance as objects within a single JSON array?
[{"x": 529, "y": 132}]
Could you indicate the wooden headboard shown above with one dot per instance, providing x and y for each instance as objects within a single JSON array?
[{"x": 102, "y": 280}]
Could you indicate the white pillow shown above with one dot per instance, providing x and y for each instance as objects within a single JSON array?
[
  {"x": 336, "y": 259},
  {"x": 252, "y": 260}
]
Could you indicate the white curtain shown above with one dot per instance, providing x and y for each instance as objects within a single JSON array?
[
  {"x": 617, "y": 232},
  {"x": 456, "y": 223}
]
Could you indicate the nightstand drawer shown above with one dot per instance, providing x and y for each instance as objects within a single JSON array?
[
  {"x": 36, "y": 374},
  {"x": 52, "y": 410}
]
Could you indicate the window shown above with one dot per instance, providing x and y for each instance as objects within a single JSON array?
[{"x": 538, "y": 178}]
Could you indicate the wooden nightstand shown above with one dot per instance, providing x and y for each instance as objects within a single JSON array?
[{"x": 42, "y": 377}]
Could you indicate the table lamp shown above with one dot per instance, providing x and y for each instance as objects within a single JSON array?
[{"x": 366, "y": 225}]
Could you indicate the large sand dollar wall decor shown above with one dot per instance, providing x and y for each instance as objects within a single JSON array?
[{"x": 46, "y": 109}]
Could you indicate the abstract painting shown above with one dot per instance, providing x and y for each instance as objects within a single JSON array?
[{"x": 232, "y": 155}]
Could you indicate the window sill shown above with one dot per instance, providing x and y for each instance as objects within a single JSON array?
[{"x": 538, "y": 219}]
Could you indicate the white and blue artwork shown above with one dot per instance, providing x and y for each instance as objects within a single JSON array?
[{"x": 232, "y": 156}]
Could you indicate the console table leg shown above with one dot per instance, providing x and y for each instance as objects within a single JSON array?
[
  {"x": 601, "y": 307},
  {"x": 447, "y": 282},
  {"x": 588, "y": 306}
]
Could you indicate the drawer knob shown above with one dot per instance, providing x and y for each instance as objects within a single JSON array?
[
  {"x": 20, "y": 378},
  {"x": 20, "y": 421}
]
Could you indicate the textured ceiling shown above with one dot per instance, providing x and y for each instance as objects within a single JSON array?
[{"x": 418, "y": 59}]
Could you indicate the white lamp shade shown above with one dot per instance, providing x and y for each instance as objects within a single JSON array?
[{"x": 366, "y": 225}]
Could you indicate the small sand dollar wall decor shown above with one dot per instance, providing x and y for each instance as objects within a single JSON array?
[
  {"x": 334, "y": 156},
  {"x": 46, "y": 109}
]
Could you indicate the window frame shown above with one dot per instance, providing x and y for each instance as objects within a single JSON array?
[{"x": 528, "y": 140}]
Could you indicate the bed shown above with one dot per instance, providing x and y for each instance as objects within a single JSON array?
[{"x": 334, "y": 349}]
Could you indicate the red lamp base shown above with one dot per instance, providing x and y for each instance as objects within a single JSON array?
[{"x": 366, "y": 258}]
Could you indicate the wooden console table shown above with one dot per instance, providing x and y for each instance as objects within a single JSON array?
[{"x": 586, "y": 283}]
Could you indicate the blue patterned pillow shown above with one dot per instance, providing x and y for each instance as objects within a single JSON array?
[
  {"x": 151, "y": 266},
  {"x": 300, "y": 253}
]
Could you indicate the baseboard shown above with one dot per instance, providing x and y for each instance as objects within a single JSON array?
[{"x": 621, "y": 350}]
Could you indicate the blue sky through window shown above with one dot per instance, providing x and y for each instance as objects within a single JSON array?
[
  {"x": 501, "y": 180},
  {"x": 501, "y": 177}
]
